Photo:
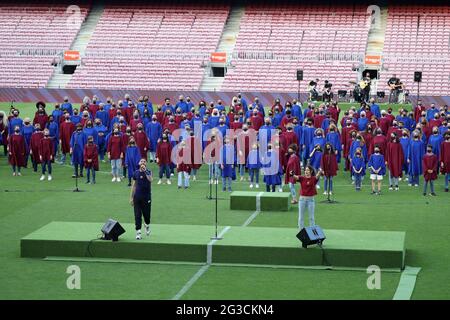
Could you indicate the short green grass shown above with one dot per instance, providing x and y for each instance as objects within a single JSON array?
[{"x": 30, "y": 204}]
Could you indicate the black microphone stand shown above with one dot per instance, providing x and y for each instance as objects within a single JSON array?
[{"x": 216, "y": 182}]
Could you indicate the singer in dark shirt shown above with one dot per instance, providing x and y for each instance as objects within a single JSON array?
[{"x": 141, "y": 197}]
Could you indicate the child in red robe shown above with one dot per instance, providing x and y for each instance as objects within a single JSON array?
[
  {"x": 67, "y": 128},
  {"x": 142, "y": 141},
  {"x": 429, "y": 164},
  {"x": 163, "y": 153},
  {"x": 292, "y": 166},
  {"x": 329, "y": 166},
  {"x": 17, "y": 151},
  {"x": 35, "y": 142},
  {"x": 90, "y": 156},
  {"x": 183, "y": 168},
  {"x": 394, "y": 160},
  {"x": 46, "y": 154}
]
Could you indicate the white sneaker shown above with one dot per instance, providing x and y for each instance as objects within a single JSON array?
[
  {"x": 216, "y": 182},
  {"x": 171, "y": 174},
  {"x": 280, "y": 189},
  {"x": 49, "y": 178},
  {"x": 242, "y": 179},
  {"x": 317, "y": 187},
  {"x": 325, "y": 193},
  {"x": 159, "y": 181},
  {"x": 210, "y": 181},
  {"x": 19, "y": 174},
  {"x": 168, "y": 181},
  {"x": 251, "y": 185},
  {"x": 409, "y": 185},
  {"x": 416, "y": 185},
  {"x": 42, "y": 177},
  {"x": 353, "y": 182},
  {"x": 113, "y": 179},
  {"x": 14, "y": 174},
  {"x": 118, "y": 180},
  {"x": 138, "y": 235},
  {"x": 147, "y": 229},
  {"x": 257, "y": 186},
  {"x": 331, "y": 193},
  {"x": 194, "y": 178}
]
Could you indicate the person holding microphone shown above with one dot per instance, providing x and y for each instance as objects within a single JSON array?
[
  {"x": 141, "y": 197},
  {"x": 307, "y": 193}
]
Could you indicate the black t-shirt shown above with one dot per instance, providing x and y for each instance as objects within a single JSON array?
[
  {"x": 393, "y": 81},
  {"x": 143, "y": 186}
]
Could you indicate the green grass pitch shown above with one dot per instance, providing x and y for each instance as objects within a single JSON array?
[{"x": 30, "y": 204}]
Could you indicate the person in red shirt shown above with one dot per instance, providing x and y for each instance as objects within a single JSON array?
[
  {"x": 163, "y": 158},
  {"x": 46, "y": 154},
  {"x": 307, "y": 192},
  {"x": 429, "y": 164},
  {"x": 292, "y": 168}
]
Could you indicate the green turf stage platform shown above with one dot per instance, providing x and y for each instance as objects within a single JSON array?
[
  {"x": 269, "y": 201},
  {"x": 241, "y": 245}
]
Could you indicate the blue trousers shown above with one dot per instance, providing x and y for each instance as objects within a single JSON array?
[
  {"x": 328, "y": 182},
  {"x": 254, "y": 175},
  {"x": 425, "y": 186},
  {"x": 45, "y": 165},
  {"x": 164, "y": 169}
]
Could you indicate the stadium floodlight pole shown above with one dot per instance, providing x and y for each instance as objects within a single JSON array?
[
  {"x": 298, "y": 91},
  {"x": 216, "y": 181}
]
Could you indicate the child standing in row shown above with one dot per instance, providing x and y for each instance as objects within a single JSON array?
[
  {"x": 430, "y": 165},
  {"x": 253, "y": 165},
  {"x": 90, "y": 156},
  {"x": 358, "y": 168},
  {"x": 272, "y": 170},
  {"x": 46, "y": 154},
  {"x": 377, "y": 168},
  {"x": 183, "y": 169}
]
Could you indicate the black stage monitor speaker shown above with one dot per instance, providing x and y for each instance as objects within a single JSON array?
[
  {"x": 112, "y": 230},
  {"x": 311, "y": 235},
  {"x": 418, "y": 76},
  {"x": 342, "y": 93},
  {"x": 299, "y": 75}
]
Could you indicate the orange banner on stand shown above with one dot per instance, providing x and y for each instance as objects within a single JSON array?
[
  {"x": 220, "y": 57},
  {"x": 374, "y": 60},
  {"x": 71, "y": 55}
]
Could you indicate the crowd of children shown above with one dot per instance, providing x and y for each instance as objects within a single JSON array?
[{"x": 404, "y": 146}]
